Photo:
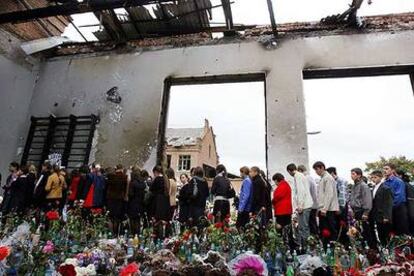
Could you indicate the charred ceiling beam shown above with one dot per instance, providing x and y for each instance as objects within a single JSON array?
[
  {"x": 371, "y": 71},
  {"x": 272, "y": 17},
  {"x": 133, "y": 19},
  {"x": 177, "y": 16},
  {"x": 118, "y": 25},
  {"x": 229, "y": 17},
  {"x": 71, "y": 8},
  {"x": 200, "y": 20},
  {"x": 105, "y": 22},
  {"x": 40, "y": 22},
  {"x": 412, "y": 81}
]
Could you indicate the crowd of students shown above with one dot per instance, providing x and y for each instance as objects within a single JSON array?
[
  {"x": 329, "y": 208},
  {"x": 326, "y": 207}
]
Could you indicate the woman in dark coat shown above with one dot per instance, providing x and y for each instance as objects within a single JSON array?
[
  {"x": 184, "y": 199},
  {"x": 260, "y": 191},
  {"x": 115, "y": 197},
  {"x": 161, "y": 200},
  {"x": 18, "y": 191},
  {"x": 99, "y": 188},
  {"x": 31, "y": 182},
  {"x": 268, "y": 198},
  {"x": 136, "y": 194},
  {"x": 222, "y": 191},
  {"x": 199, "y": 194},
  {"x": 39, "y": 194}
]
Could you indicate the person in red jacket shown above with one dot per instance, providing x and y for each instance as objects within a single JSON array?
[{"x": 282, "y": 200}]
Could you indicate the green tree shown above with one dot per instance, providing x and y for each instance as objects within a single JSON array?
[{"x": 401, "y": 162}]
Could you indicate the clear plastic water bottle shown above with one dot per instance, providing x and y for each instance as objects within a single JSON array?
[
  {"x": 269, "y": 262},
  {"x": 278, "y": 266},
  {"x": 295, "y": 259}
]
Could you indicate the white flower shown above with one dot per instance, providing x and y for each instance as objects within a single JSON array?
[
  {"x": 112, "y": 261},
  {"x": 71, "y": 261},
  {"x": 85, "y": 271}
]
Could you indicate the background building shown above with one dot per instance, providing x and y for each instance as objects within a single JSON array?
[{"x": 191, "y": 147}]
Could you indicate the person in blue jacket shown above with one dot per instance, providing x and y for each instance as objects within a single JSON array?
[
  {"x": 399, "y": 206},
  {"x": 245, "y": 199}
]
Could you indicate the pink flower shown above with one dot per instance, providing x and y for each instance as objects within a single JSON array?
[
  {"x": 48, "y": 248},
  {"x": 249, "y": 262}
]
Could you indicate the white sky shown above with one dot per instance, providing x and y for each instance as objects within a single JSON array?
[
  {"x": 362, "y": 118},
  {"x": 236, "y": 113}
]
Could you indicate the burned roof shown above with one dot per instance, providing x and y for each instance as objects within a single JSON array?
[
  {"x": 125, "y": 20},
  {"x": 178, "y": 137},
  {"x": 41, "y": 28},
  {"x": 181, "y": 17},
  {"x": 380, "y": 23}
]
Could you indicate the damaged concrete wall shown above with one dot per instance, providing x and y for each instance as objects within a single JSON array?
[
  {"x": 127, "y": 132},
  {"x": 16, "y": 89}
]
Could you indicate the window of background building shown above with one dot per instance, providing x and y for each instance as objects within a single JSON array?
[
  {"x": 209, "y": 151},
  {"x": 169, "y": 160},
  {"x": 184, "y": 162}
]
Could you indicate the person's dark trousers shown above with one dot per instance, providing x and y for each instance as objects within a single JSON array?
[
  {"x": 400, "y": 224},
  {"x": 313, "y": 225},
  {"x": 366, "y": 230},
  {"x": 328, "y": 222},
  {"x": 384, "y": 230},
  {"x": 242, "y": 219},
  {"x": 283, "y": 220},
  {"x": 221, "y": 208},
  {"x": 342, "y": 226},
  {"x": 373, "y": 242}
]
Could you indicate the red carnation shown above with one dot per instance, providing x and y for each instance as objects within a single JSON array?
[
  {"x": 218, "y": 225},
  {"x": 227, "y": 219},
  {"x": 52, "y": 215},
  {"x": 67, "y": 270},
  {"x": 226, "y": 229},
  {"x": 96, "y": 211},
  {"x": 326, "y": 233},
  {"x": 130, "y": 270},
  {"x": 392, "y": 234},
  {"x": 342, "y": 223},
  {"x": 210, "y": 216},
  {"x": 186, "y": 236},
  {"x": 4, "y": 252}
]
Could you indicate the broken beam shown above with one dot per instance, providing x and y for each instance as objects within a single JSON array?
[
  {"x": 228, "y": 14},
  {"x": 371, "y": 71},
  {"x": 412, "y": 81},
  {"x": 70, "y": 8},
  {"x": 272, "y": 17}
]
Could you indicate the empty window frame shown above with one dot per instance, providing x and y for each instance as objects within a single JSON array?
[
  {"x": 172, "y": 83},
  {"x": 69, "y": 137},
  {"x": 184, "y": 162}
]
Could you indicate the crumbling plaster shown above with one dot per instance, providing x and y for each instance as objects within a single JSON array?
[
  {"x": 127, "y": 132},
  {"x": 16, "y": 89}
]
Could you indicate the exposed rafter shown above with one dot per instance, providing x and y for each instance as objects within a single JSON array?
[{"x": 71, "y": 8}]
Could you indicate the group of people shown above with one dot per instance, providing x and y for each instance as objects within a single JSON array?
[
  {"x": 326, "y": 207},
  {"x": 329, "y": 206}
]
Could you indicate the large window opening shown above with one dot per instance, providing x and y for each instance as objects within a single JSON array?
[
  {"x": 352, "y": 121},
  {"x": 66, "y": 141},
  {"x": 218, "y": 123}
]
